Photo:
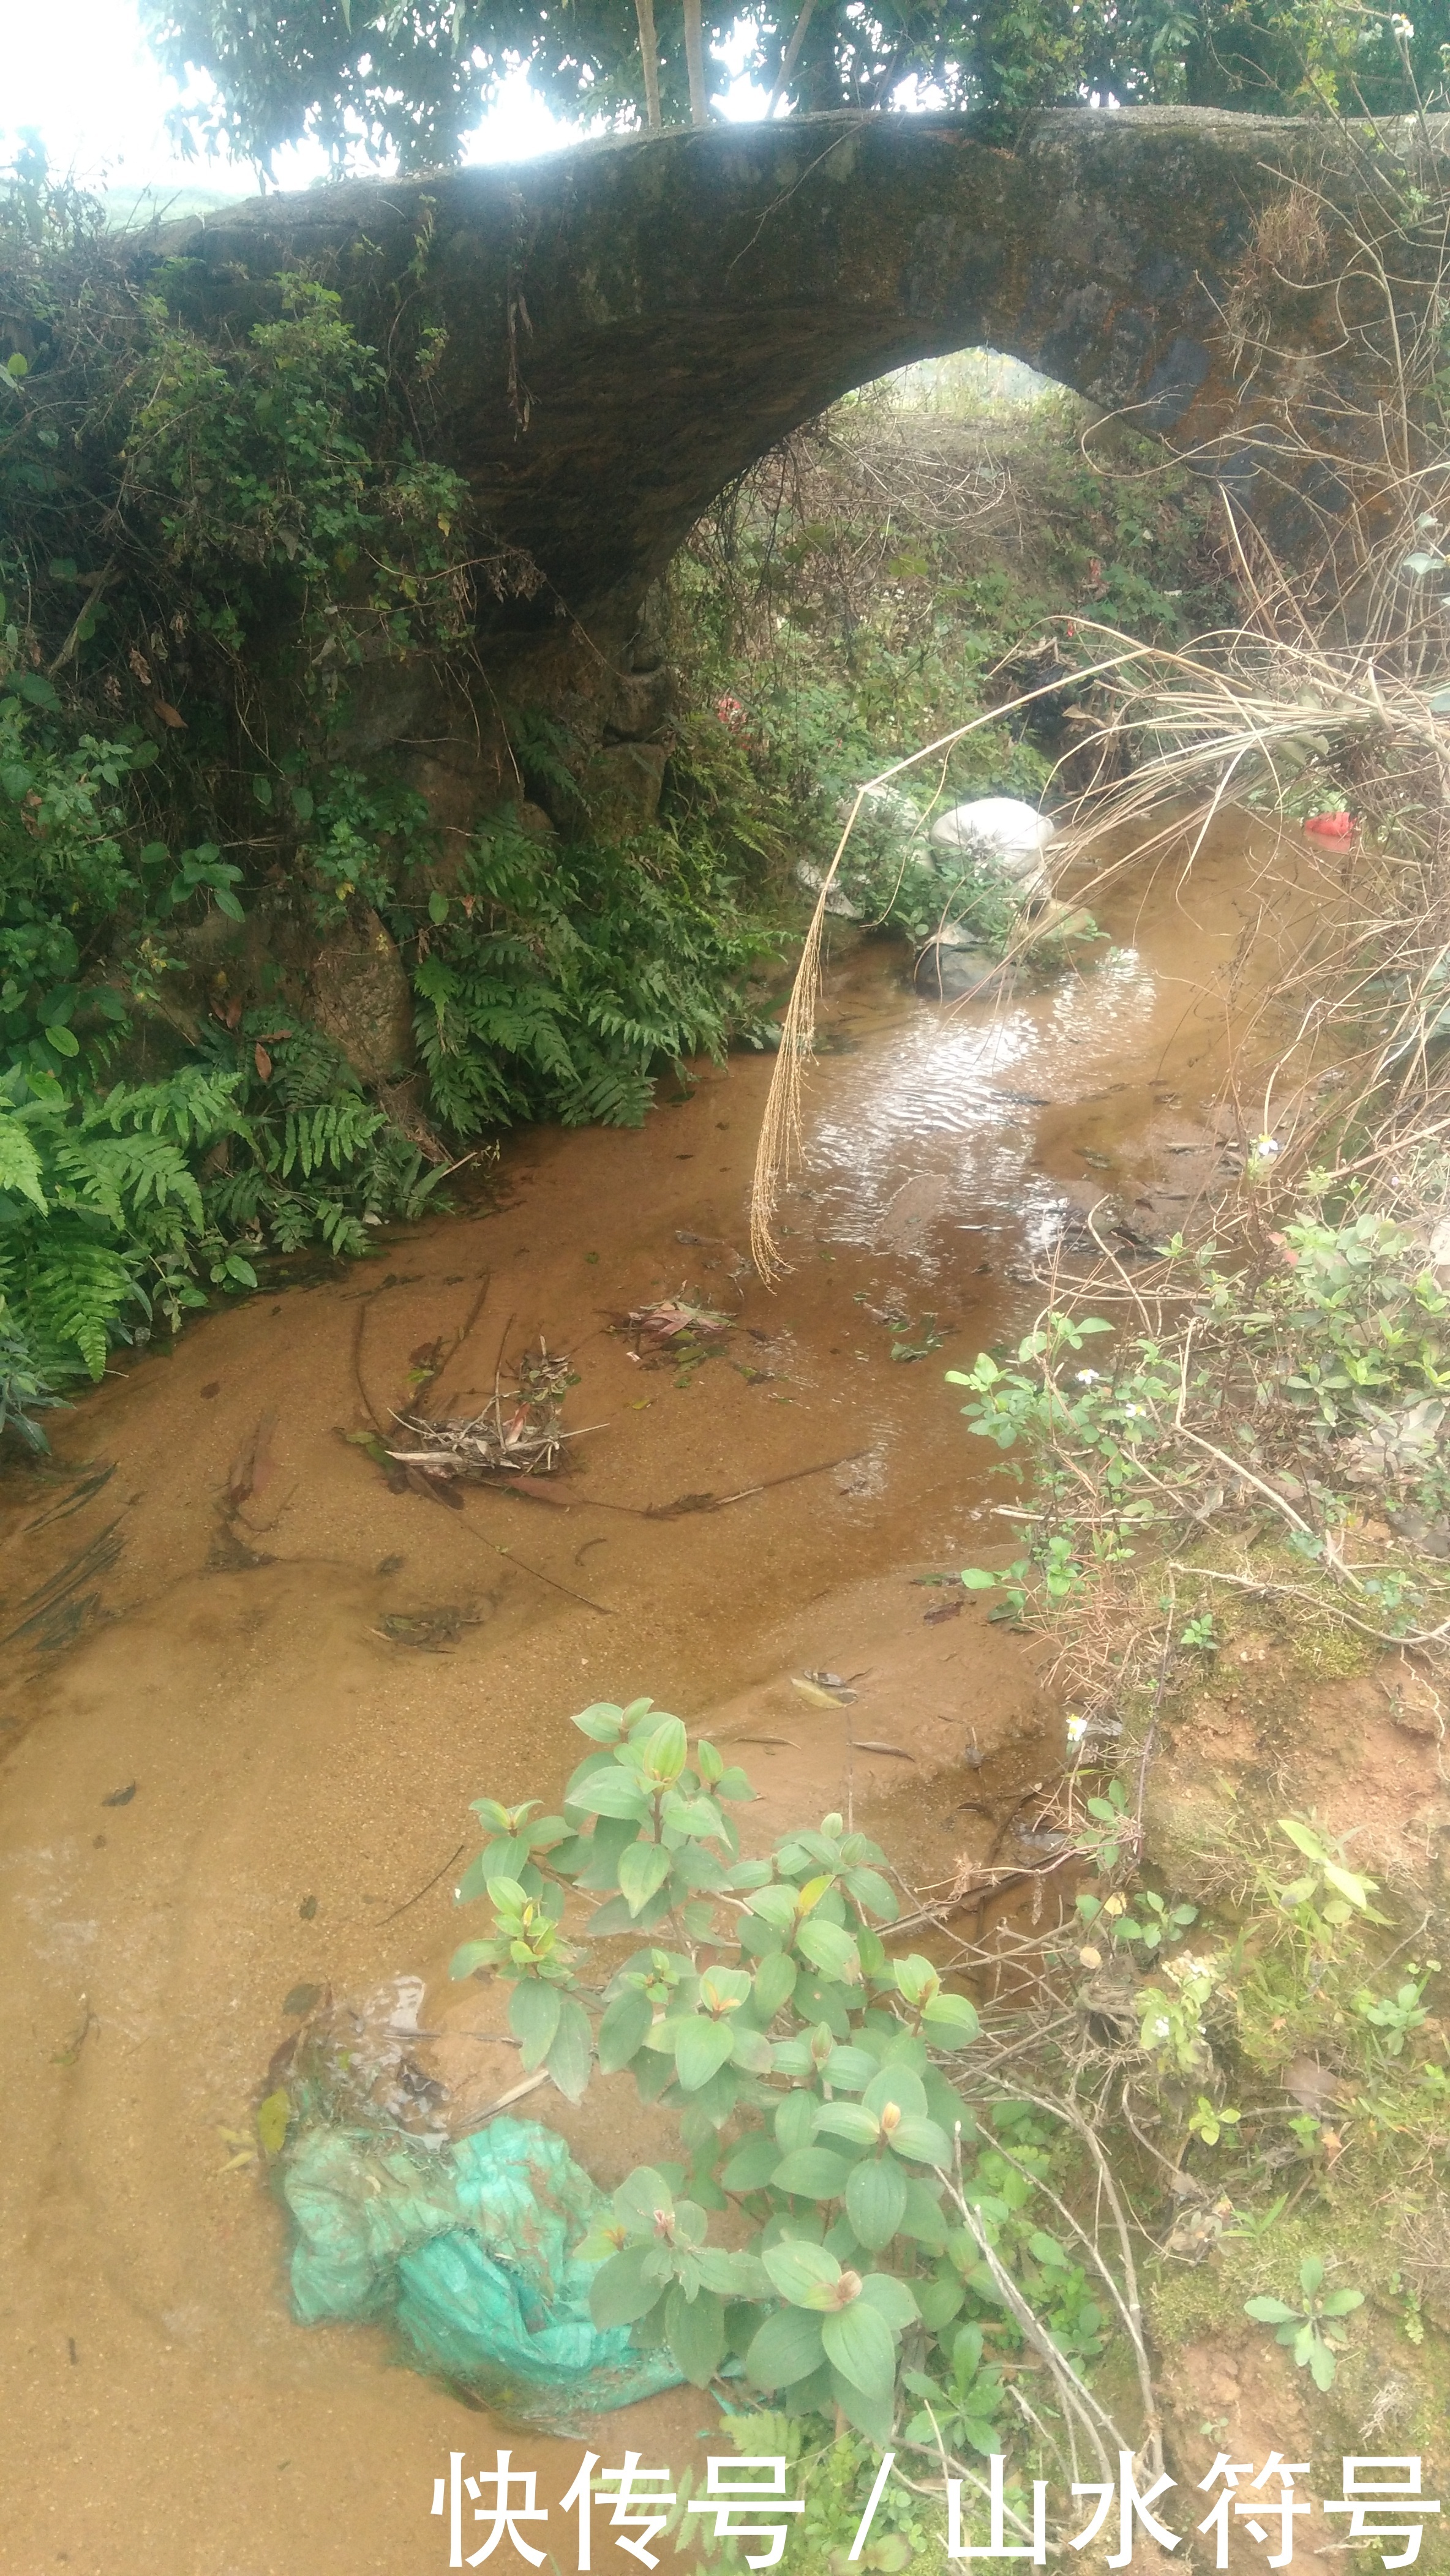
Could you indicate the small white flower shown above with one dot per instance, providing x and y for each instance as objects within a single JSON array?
[
  {"x": 1160, "y": 2028},
  {"x": 1076, "y": 1729},
  {"x": 1087, "y": 1377},
  {"x": 1135, "y": 1409},
  {"x": 1266, "y": 1148},
  {"x": 1404, "y": 27}
]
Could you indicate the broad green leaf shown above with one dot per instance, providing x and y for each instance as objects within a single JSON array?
[
  {"x": 922, "y": 2141},
  {"x": 696, "y": 1816},
  {"x": 800, "y": 2271},
  {"x": 876, "y": 2201},
  {"x": 1322, "y": 2364},
  {"x": 811, "y": 2173},
  {"x": 750, "y": 2049},
  {"x": 734, "y": 2276},
  {"x": 615, "y": 1917},
  {"x": 871, "y": 2415},
  {"x": 571, "y": 2052},
  {"x": 695, "y": 2333},
  {"x": 859, "y": 2345},
  {"x": 849, "y": 2070},
  {"x": 734, "y": 1784},
  {"x": 602, "y": 1723},
  {"x": 1270, "y": 2312},
  {"x": 1342, "y": 2303},
  {"x": 787, "y": 2348},
  {"x": 1046, "y": 2250},
  {"x": 950, "y": 2021},
  {"x": 533, "y": 2018},
  {"x": 509, "y": 1896},
  {"x": 924, "y": 2220},
  {"x": 701, "y": 2048},
  {"x": 620, "y": 2292},
  {"x": 1356, "y": 1889},
  {"x": 643, "y": 1869},
  {"x": 720, "y": 1987},
  {"x": 643, "y": 2195},
  {"x": 752, "y": 2164},
  {"x": 471, "y": 1955},
  {"x": 664, "y": 1750},
  {"x": 622, "y": 2030},
  {"x": 895, "y": 2302},
  {"x": 1310, "y": 1844},
  {"x": 774, "y": 1985},
  {"x": 847, "y": 2120},
  {"x": 939, "y": 2300},
  {"x": 917, "y": 1980},
  {"x": 795, "y": 2120},
  {"x": 829, "y": 1948},
  {"x": 775, "y": 1905},
  {"x": 896, "y": 2084},
  {"x": 500, "y": 1859},
  {"x": 874, "y": 1892},
  {"x": 1311, "y": 2275},
  {"x": 611, "y": 1791}
]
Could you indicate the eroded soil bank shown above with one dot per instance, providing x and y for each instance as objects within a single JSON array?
[{"x": 212, "y": 1593}]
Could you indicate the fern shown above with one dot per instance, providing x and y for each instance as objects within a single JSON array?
[
  {"x": 195, "y": 1105},
  {"x": 20, "y": 1166},
  {"x": 336, "y": 1134},
  {"x": 573, "y": 973},
  {"x": 71, "y": 1293},
  {"x": 610, "y": 1097},
  {"x": 23, "y": 1391},
  {"x": 118, "y": 1176}
]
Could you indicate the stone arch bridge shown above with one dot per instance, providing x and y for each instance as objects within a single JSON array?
[{"x": 632, "y": 322}]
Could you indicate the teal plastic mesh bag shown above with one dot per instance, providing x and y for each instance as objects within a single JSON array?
[{"x": 469, "y": 2251}]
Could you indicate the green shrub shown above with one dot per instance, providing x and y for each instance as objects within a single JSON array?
[{"x": 892, "y": 2229}]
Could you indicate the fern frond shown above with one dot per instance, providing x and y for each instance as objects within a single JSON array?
[
  {"x": 20, "y": 1166},
  {"x": 74, "y": 1291}
]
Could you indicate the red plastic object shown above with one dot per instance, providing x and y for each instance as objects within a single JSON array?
[{"x": 1330, "y": 827}]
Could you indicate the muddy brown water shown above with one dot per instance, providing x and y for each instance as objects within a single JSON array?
[{"x": 196, "y": 1593}]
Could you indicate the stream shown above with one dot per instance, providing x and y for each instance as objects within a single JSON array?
[{"x": 249, "y": 1689}]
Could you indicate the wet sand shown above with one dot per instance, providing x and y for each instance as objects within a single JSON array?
[{"x": 195, "y": 1591}]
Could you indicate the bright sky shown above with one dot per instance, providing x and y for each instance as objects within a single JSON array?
[{"x": 78, "y": 71}]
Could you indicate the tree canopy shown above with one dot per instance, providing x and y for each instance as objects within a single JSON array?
[{"x": 406, "y": 80}]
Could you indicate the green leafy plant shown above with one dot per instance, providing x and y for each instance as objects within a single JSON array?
[
  {"x": 1109, "y": 1831},
  {"x": 1211, "y": 2121},
  {"x": 182, "y": 505},
  {"x": 1396, "y": 2018},
  {"x": 1150, "y": 1921},
  {"x": 1310, "y": 2331},
  {"x": 558, "y": 989},
  {"x": 1329, "y": 1895},
  {"x": 875, "y": 2202},
  {"x": 964, "y": 2408},
  {"x": 1170, "y": 2015}
]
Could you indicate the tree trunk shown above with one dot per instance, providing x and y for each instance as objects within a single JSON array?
[
  {"x": 788, "y": 58},
  {"x": 695, "y": 63},
  {"x": 649, "y": 54}
]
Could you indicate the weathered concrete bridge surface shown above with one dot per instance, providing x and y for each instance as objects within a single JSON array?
[{"x": 630, "y": 323}]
